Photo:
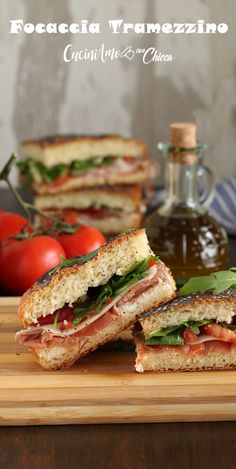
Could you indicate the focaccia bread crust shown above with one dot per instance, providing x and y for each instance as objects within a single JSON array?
[
  {"x": 128, "y": 199},
  {"x": 191, "y": 308},
  {"x": 57, "y": 149},
  {"x": 66, "y": 284}
]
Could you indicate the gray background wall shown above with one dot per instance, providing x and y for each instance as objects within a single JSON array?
[{"x": 40, "y": 94}]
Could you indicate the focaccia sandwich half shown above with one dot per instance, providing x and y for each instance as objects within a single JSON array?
[
  {"x": 86, "y": 301},
  {"x": 196, "y": 332}
]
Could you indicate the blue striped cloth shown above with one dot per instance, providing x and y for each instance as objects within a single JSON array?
[{"x": 223, "y": 206}]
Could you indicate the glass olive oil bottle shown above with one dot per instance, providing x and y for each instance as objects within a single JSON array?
[{"x": 181, "y": 231}]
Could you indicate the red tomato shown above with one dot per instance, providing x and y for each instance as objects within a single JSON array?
[
  {"x": 222, "y": 333},
  {"x": 151, "y": 263},
  {"x": 189, "y": 336},
  {"x": 129, "y": 159},
  {"x": 59, "y": 181},
  {"x": 24, "y": 261},
  {"x": 64, "y": 313},
  {"x": 10, "y": 224},
  {"x": 70, "y": 216},
  {"x": 197, "y": 348},
  {"x": 68, "y": 325},
  {"x": 83, "y": 241}
]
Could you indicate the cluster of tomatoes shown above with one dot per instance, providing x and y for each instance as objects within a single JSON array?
[{"x": 23, "y": 261}]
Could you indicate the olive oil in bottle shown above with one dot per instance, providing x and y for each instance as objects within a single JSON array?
[{"x": 181, "y": 231}]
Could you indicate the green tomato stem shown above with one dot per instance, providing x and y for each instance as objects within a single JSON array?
[{"x": 57, "y": 225}]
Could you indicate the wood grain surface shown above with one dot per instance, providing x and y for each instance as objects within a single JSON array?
[{"x": 102, "y": 388}]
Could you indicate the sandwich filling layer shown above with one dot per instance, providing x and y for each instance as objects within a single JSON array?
[
  {"x": 37, "y": 173},
  {"x": 189, "y": 338},
  {"x": 96, "y": 310},
  {"x": 106, "y": 219}
]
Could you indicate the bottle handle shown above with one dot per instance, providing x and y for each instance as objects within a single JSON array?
[{"x": 209, "y": 183}]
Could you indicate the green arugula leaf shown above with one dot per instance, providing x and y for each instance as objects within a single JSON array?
[
  {"x": 224, "y": 280},
  {"x": 67, "y": 263},
  {"x": 55, "y": 172},
  {"x": 32, "y": 170},
  {"x": 198, "y": 285},
  {"x": 81, "y": 166},
  {"x": 173, "y": 330},
  {"x": 173, "y": 335},
  {"x": 77, "y": 260},
  {"x": 114, "y": 287},
  {"x": 35, "y": 171},
  {"x": 163, "y": 332},
  {"x": 229, "y": 326},
  {"x": 174, "y": 339},
  {"x": 194, "y": 325},
  {"x": 81, "y": 311},
  {"x": 106, "y": 292},
  {"x": 217, "y": 282}
]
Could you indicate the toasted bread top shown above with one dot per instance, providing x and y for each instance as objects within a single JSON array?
[
  {"x": 67, "y": 283},
  {"x": 180, "y": 303},
  {"x": 220, "y": 307},
  {"x": 52, "y": 150},
  {"x": 61, "y": 139}
]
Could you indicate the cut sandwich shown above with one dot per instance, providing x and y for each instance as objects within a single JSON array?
[
  {"x": 86, "y": 301},
  {"x": 196, "y": 332},
  {"x": 68, "y": 162},
  {"x": 111, "y": 210}
]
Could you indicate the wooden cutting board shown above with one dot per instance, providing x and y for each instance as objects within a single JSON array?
[{"x": 102, "y": 388}]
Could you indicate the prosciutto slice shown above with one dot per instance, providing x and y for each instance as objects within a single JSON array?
[
  {"x": 120, "y": 166},
  {"x": 50, "y": 336}
]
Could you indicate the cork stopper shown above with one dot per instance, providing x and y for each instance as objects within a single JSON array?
[{"x": 183, "y": 135}]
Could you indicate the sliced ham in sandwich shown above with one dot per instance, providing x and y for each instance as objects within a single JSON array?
[
  {"x": 86, "y": 301},
  {"x": 196, "y": 332}
]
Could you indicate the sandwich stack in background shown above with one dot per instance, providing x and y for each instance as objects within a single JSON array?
[{"x": 98, "y": 180}]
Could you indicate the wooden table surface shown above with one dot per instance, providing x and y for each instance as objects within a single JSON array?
[{"x": 139, "y": 446}]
